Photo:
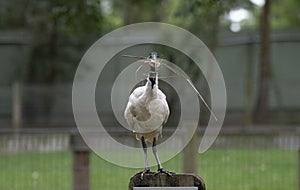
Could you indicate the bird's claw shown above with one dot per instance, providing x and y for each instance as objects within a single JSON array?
[
  {"x": 146, "y": 171},
  {"x": 162, "y": 171}
]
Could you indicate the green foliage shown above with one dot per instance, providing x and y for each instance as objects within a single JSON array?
[
  {"x": 54, "y": 26},
  {"x": 78, "y": 16},
  {"x": 205, "y": 15},
  {"x": 285, "y": 14},
  {"x": 63, "y": 29},
  {"x": 12, "y": 14}
]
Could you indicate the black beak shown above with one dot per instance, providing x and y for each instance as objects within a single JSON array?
[{"x": 152, "y": 80}]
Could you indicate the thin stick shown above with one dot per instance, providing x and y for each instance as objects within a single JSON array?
[
  {"x": 194, "y": 88},
  {"x": 136, "y": 72},
  {"x": 183, "y": 75},
  {"x": 165, "y": 77},
  {"x": 135, "y": 56}
]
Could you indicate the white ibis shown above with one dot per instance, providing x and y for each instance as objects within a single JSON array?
[{"x": 146, "y": 113}]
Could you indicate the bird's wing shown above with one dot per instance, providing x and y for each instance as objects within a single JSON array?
[
  {"x": 133, "y": 98},
  {"x": 159, "y": 110},
  {"x": 136, "y": 94},
  {"x": 162, "y": 97},
  {"x": 128, "y": 116}
]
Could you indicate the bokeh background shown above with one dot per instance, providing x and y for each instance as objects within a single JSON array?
[{"x": 255, "y": 42}]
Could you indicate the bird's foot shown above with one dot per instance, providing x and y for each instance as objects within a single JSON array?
[
  {"x": 162, "y": 171},
  {"x": 146, "y": 171}
]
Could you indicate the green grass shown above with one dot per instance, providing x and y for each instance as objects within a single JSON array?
[
  {"x": 31, "y": 171},
  {"x": 221, "y": 169},
  {"x": 249, "y": 170}
]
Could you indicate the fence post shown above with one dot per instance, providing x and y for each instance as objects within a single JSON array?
[
  {"x": 16, "y": 105},
  {"x": 299, "y": 168},
  {"x": 81, "y": 163},
  {"x": 190, "y": 153}
]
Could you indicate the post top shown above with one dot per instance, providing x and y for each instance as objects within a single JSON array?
[{"x": 164, "y": 180}]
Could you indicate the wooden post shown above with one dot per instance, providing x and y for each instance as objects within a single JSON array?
[
  {"x": 190, "y": 152},
  {"x": 81, "y": 170},
  {"x": 16, "y": 105},
  {"x": 299, "y": 168},
  {"x": 81, "y": 164},
  {"x": 164, "y": 180}
]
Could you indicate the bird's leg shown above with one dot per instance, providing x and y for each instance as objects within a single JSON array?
[
  {"x": 147, "y": 168},
  {"x": 159, "y": 166},
  {"x": 146, "y": 154}
]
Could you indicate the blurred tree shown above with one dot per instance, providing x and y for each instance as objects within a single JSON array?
[
  {"x": 51, "y": 23},
  {"x": 12, "y": 14},
  {"x": 54, "y": 26},
  {"x": 262, "y": 104},
  {"x": 285, "y": 14},
  {"x": 203, "y": 18},
  {"x": 133, "y": 11},
  {"x": 60, "y": 30}
]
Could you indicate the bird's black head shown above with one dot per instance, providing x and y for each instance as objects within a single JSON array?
[
  {"x": 152, "y": 76},
  {"x": 152, "y": 80},
  {"x": 153, "y": 55}
]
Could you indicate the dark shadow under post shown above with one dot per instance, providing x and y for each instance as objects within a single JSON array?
[
  {"x": 81, "y": 163},
  {"x": 164, "y": 180}
]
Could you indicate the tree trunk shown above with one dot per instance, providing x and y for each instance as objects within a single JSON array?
[
  {"x": 127, "y": 11},
  {"x": 249, "y": 86},
  {"x": 261, "y": 111},
  {"x": 52, "y": 53},
  {"x": 212, "y": 44}
]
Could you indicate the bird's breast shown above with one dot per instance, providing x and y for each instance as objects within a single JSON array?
[
  {"x": 147, "y": 110},
  {"x": 140, "y": 112}
]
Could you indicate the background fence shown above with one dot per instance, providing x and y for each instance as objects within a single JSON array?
[
  {"x": 241, "y": 158},
  {"x": 237, "y": 55}
]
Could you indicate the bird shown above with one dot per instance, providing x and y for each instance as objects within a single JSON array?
[{"x": 146, "y": 113}]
